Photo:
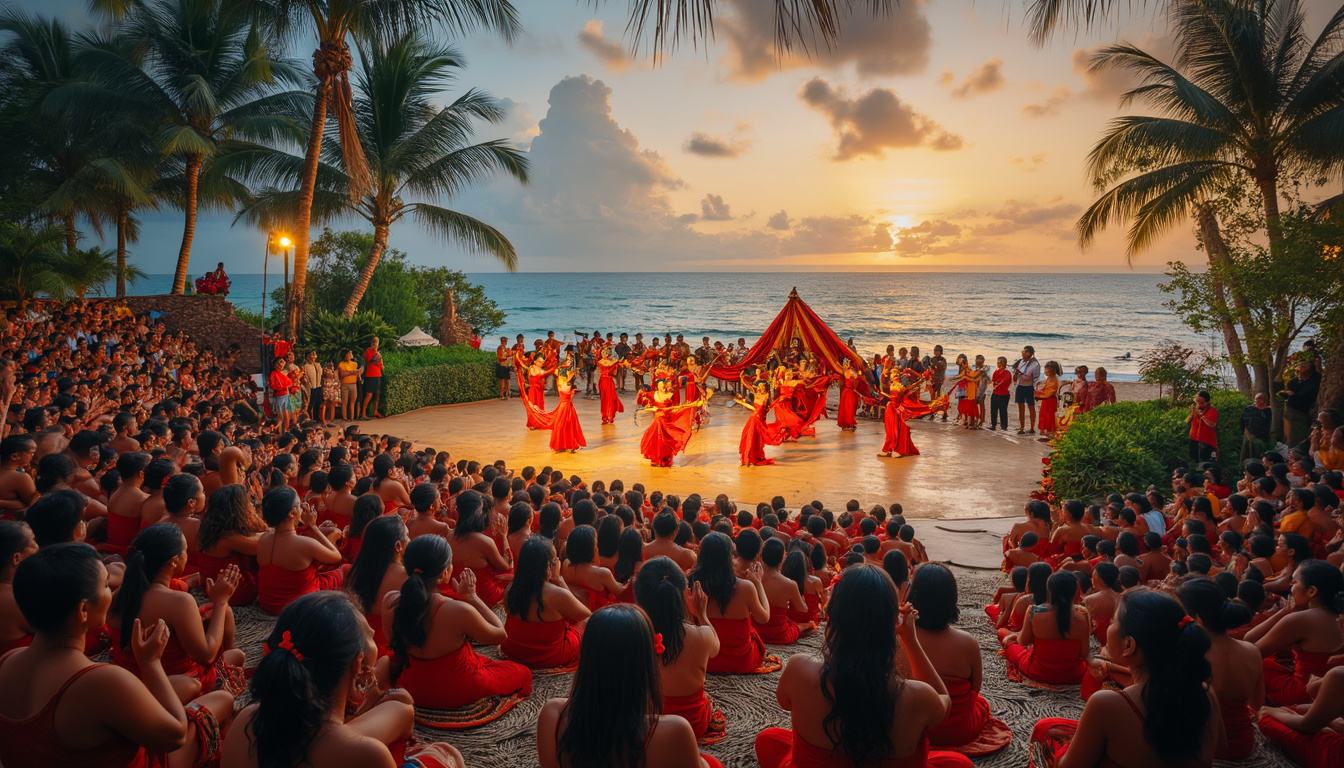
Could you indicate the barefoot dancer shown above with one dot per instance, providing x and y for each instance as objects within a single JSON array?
[
  {"x": 671, "y": 428},
  {"x": 903, "y": 403},
  {"x": 756, "y": 433},
  {"x": 606, "y": 386},
  {"x": 566, "y": 433}
]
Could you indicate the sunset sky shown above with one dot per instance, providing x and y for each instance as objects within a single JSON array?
[{"x": 938, "y": 138}]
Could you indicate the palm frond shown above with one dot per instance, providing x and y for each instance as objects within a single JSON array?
[
  {"x": 472, "y": 234},
  {"x": 1132, "y": 199}
]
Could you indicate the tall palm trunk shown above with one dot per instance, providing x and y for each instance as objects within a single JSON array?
[
  {"x": 71, "y": 234},
  {"x": 122, "y": 216},
  {"x": 1332, "y": 380},
  {"x": 194, "y": 163},
  {"x": 1216, "y": 249},
  {"x": 1267, "y": 179},
  {"x": 366, "y": 274},
  {"x": 303, "y": 222}
]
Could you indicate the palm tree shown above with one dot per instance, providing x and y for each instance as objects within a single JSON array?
[
  {"x": 30, "y": 261},
  {"x": 333, "y": 23},
  {"x": 202, "y": 71},
  {"x": 40, "y": 55},
  {"x": 412, "y": 148},
  {"x": 90, "y": 269},
  {"x": 1250, "y": 98}
]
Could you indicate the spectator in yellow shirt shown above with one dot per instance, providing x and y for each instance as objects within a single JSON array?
[{"x": 349, "y": 373}]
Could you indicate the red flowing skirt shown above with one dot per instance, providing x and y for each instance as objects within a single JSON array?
[
  {"x": 1310, "y": 750},
  {"x": 780, "y": 630},
  {"x": 611, "y": 402},
  {"x": 898, "y": 433},
  {"x": 1055, "y": 662},
  {"x": 1045, "y": 414},
  {"x": 667, "y": 436},
  {"x": 756, "y": 434},
  {"x": 566, "y": 433},
  {"x": 741, "y": 649},
  {"x": 459, "y": 678},
  {"x": 846, "y": 415},
  {"x": 542, "y": 644}
]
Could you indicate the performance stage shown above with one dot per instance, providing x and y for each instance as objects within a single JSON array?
[{"x": 959, "y": 474}]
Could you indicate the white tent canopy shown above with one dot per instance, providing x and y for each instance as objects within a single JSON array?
[{"x": 417, "y": 338}]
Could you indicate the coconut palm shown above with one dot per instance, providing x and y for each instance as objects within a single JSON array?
[
  {"x": 203, "y": 72},
  {"x": 413, "y": 149},
  {"x": 334, "y": 23},
  {"x": 39, "y": 56},
  {"x": 30, "y": 261},
  {"x": 92, "y": 268},
  {"x": 1250, "y": 98}
]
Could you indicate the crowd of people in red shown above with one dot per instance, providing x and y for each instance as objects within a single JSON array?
[{"x": 145, "y": 498}]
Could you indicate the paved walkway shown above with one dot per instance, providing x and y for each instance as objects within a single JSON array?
[{"x": 960, "y": 475}]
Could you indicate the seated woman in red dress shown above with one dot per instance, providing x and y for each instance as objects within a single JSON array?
[
  {"x": 476, "y": 551},
  {"x": 1006, "y": 595},
  {"x": 431, "y": 636},
  {"x": 611, "y": 715},
  {"x": 733, "y": 604},
  {"x": 955, "y": 655},
  {"x": 545, "y": 620},
  {"x": 688, "y": 641},
  {"x": 1308, "y": 625},
  {"x": 57, "y": 708},
  {"x": 1037, "y": 594},
  {"x": 594, "y": 585},
  {"x": 377, "y": 571},
  {"x": 367, "y": 509},
  {"x": 288, "y": 560},
  {"x": 797, "y": 567},
  {"x": 1053, "y": 645},
  {"x": 1104, "y": 599},
  {"x": 199, "y": 655},
  {"x": 782, "y": 596},
  {"x": 1168, "y": 718},
  {"x": 1238, "y": 678},
  {"x": 1305, "y": 733},
  {"x": 125, "y": 503},
  {"x": 16, "y": 544},
  {"x": 844, "y": 715},
  {"x": 228, "y": 536},
  {"x": 309, "y": 681}
]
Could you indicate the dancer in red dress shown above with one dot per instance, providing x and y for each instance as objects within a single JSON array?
[
  {"x": 903, "y": 403},
  {"x": 756, "y": 433},
  {"x": 566, "y": 433},
  {"x": 606, "y": 386},
  {"x": 846, "y": 416},
  {"x": 535, "y": 398},
  {"x": 671, "y": 428}
]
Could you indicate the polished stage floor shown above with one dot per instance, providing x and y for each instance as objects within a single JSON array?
[{"x": 959, "y": 475}]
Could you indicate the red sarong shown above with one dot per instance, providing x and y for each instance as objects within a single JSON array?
[
  {"x": 542, "y": 644},
  {"x": 780, "y": 630},
  {"x": 277, "y": 587},
  {"x": 1055, "y": 662},
  {"x": 709, "y": 723},
  {"x": 1310, "y": 750},
  {"x": 782, "y": 748},
  {"x": 461, "y": 677}
]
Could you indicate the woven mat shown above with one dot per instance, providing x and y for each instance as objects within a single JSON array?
[{"x": 749, "y": 703}]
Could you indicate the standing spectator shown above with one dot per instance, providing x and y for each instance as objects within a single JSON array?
[
  {"x": 1255, "y": 421},
  {"x": 373, "y": 380},
  {"x": 1002, "y": 380},
  {"x": 1026, "y": 372},
  {"x": 1300, "y": 401},
  {"x": 312, "y": 379},
  {"x": 1203, "y": 420},
  {"x": 1048, "y": 394},
  {"x": 349, "y": 374},
  {"x": 1078, "y": 387},
  {"x": 1100, "y": 391},
  {"x": 503, "y": 367},
  {"x": 938, "y": 366},
  {"x": 331, "y": 392},
  {"x": 622, "y": 352},
  {"x": 983, "y": 371}
]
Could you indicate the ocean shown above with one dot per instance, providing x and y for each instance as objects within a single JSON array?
[{"x": 1075, "y": 319}]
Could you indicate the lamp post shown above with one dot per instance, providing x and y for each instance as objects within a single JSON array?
[{"x": 284, "y": 242}]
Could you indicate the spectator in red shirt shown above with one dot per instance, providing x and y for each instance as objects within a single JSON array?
[
  {"x": 373, "y": 380},
  {"x": 1001, "y": 380},
  {"x": 1100, "y": 391},
  {"x": 280, "y": 385},
  {"x": 1203, "y": 420}
]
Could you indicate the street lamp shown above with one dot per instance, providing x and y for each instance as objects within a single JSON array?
[{"x": 284, "y": 242}]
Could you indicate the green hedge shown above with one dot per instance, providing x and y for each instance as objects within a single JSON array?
[
  {"x": 1126, "y": 447},
  {"x": 418, "y": 378}
]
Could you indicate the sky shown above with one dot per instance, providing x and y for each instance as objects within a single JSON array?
[{"x": 937, "y": 138}]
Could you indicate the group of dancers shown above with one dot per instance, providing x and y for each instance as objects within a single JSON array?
[{"x": 791, "y": 385}]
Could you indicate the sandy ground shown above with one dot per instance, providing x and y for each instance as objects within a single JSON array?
[{"x": 960, "y": 474}]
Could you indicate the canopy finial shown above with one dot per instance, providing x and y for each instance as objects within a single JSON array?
[{"x": 793, "y": 294}]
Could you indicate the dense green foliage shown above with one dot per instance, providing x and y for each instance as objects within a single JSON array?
[
  {"x": 331, "y": 334},
  {"x": 1126, "y": 447},
  {"x": 436, "y": 376},
  {"x": 402, "y": 294}
]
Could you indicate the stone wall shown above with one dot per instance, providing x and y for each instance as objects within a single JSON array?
[{"x": 208, "y": 320}]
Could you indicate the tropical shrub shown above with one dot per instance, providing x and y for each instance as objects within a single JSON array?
[
  {"x": 331, "y": 334},
  {"x": 1126, "y": 447},
  {"x": 436, "y": 376}
]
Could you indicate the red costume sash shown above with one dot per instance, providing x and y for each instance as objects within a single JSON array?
[
  {"x": 277, "y": 587},
  {"x": 461, "y": 677},
  {"x": 542, "y": 644}
]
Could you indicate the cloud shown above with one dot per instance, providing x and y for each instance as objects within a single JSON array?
[
  {"x": 521, "y": 127},
  {"x": 929, "y": 236},
  {"x": 1029, "y": 164},
  {"x": 712, "y": 208},
  {"x": 987, "y": 78},
  {"x": 611, "y": 52},
  {"x": 896, "y": 43},
  {"x": 1050, "y": 105},
  {"x": 706, "y": 145},
  {"x": 780, "y": 221},
  {"x": 838, "y": 234},
  {"x": 1016, "y": 216},
  {"x": 1106, "y": 84},
  {"x": 874, "y": 122}
]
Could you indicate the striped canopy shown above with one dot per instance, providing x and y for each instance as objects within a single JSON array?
[{"x": 795, "y": 321}]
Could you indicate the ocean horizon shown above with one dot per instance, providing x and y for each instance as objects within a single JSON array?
[{"x": 1091, "y": 319}]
